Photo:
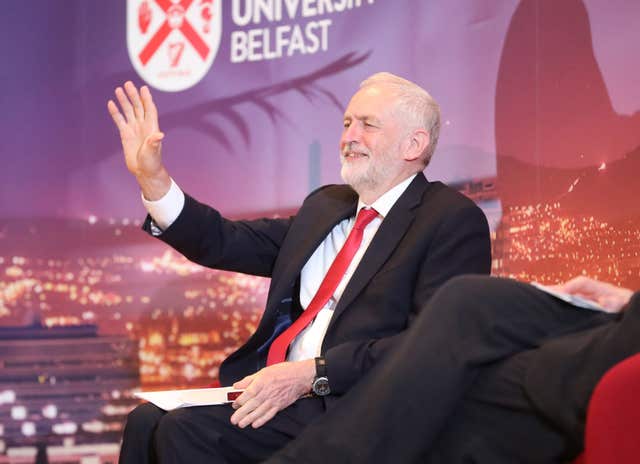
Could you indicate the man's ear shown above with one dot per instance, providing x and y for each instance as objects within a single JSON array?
[{"x": 417, "y": 143}]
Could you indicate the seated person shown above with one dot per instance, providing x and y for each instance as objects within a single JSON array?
[
  {"x": 492, "y": 371},
  {"x": 348, "y": 272}
]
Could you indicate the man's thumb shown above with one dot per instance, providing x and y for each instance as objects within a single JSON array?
[{"x": 154, "y": 139}]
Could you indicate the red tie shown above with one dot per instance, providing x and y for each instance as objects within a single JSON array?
[{"x": 278, "y": 349}]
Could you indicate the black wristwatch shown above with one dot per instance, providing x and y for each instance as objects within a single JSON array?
[{"x": 320, "y": 385}]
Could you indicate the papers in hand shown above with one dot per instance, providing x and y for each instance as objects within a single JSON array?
[
  {"x": 569, "y": 298},
  {"x": 174, "y": 399}
]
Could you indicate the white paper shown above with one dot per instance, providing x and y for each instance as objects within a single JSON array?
[
  {"x": 569, "y": 298},
  {"x": 174, "y": 399}
]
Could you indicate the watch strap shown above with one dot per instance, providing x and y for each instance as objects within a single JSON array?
[{"x": 321, "y": 367}]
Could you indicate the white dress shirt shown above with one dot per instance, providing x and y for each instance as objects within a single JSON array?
[{"x": 309, "y": 341}]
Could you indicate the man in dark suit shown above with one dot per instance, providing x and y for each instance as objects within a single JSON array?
[
  {"x": 493, "y": 371},
  {"x": 344, "y": 286}
]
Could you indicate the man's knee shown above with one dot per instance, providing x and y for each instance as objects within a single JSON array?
[
  {"x": 184, "y": 431},
  {"x": 469, "y": 303},
  {"x": 211, "y": 421},
  {"x": 143, "y": 419},
  {"x": 460, "y": 294},
  {"x": 467, "y": 287},
  {"x": 172, "y": 425}
]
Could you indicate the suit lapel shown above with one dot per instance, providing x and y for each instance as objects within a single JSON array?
[
  {"x": 391, "y": 231},
  {"x": 314, "y": 227}
]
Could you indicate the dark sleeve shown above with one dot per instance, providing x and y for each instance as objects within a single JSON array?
[
  {"x": 461, "y": 245},
  {"x": 565, "y": 370},
  {"x": 203, "y": 236}
]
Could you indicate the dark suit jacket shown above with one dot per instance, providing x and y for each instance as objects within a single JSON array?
[{"x": 431, "y": 234}]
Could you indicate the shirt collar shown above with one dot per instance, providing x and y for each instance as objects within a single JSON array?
[{"x": 384, "y": 204}]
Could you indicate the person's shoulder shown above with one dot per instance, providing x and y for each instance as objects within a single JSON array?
[
  {"x": 446, "y": 208},
  {"x": 343, "y": 189},
  {"x": 445, "y": 196},
  {"x": 339, "y": 192}
]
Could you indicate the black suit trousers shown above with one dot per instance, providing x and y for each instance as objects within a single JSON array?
[
  {"x": 497, "y": 423},
  {"x": 462, "y": 364},
  {"x": 204, "y": 435}
]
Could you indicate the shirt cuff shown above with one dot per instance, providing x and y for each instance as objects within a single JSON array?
[{"x": 165, "y": 210}]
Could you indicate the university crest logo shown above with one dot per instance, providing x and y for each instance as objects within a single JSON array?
[{"x": 172, "y": 43}]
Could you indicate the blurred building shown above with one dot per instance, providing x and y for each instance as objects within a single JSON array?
[{"x": 65, "y": 388}]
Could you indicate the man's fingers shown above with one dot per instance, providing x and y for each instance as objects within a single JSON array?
[
  {"x": 266, "y": 417},
  {"x": 147, "y": 102},
  {"x": 570, "y": 286},
  {"x": 241, "y": 400},
  {"x": 125, "y": 104},
  {"x": 580, "y": 282},
  {"x": 244, "y": 410},
  {"x": 260, "y": 413},
  {"x": 244, "y": 383},
  {"x": 117, "y": 117},
  {"x": 134, "y": 98},
  {"x": 247, "y": 395}
]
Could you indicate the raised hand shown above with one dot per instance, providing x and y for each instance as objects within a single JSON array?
[
  {"x": 137, "y": 123},
  {"x": 609, "y": 296}
]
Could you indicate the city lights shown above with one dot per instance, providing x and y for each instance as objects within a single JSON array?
[
  {"x": 178, "y": 330},
  {"x": 7, "y": 397},
  {"x": 18, "y": 413},
  {"x": 65, "y": 428},
  {"x": 50, "y": 411},
  {"x": 28, "y": 429}
]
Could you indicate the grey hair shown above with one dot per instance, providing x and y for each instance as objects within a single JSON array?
[{"x": 421, "y": 110}]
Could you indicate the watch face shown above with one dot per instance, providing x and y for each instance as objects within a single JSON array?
[{"x": 321, "y": 386}]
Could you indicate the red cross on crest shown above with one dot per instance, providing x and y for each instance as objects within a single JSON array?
[{"x": 172, "y": 43}]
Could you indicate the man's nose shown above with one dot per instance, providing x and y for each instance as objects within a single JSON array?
[{"x": 351, "y": 133}]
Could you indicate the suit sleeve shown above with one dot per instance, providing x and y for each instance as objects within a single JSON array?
[
  {"x": 203, "y": 236},
  {"x": 461, "y": 245}
]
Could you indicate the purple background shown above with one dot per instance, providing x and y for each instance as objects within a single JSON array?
[
  {"x": 64, "y": 58},
  {"x": 536, "y": 95}
]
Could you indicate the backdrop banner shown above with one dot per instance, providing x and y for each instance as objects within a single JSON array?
[{"x": 541, "y": 128}]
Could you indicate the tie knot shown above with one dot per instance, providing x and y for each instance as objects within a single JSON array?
[{"x": 365, "y": 216}]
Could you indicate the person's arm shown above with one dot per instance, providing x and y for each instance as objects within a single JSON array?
[
  {"x": 165, "y": 210},
  {"x": 194, "y": 229},
  {"x": 137, "y": 123},
  {"x": 609, "y": 296},
  {"x": 205, "y": 237}
]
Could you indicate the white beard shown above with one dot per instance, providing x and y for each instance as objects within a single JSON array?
[{"x": 366, "y": 173}]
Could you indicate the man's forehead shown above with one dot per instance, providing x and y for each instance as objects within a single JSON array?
[{"x": 370, "y": 101}]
